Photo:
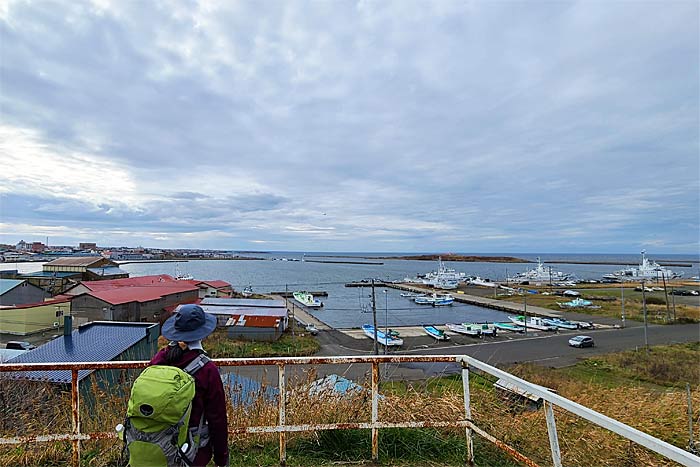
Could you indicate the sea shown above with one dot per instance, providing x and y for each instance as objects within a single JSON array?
[{"x": 351, "y": 307}]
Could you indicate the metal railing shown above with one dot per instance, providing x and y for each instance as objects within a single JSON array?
[{"x": 468, "y": 363}]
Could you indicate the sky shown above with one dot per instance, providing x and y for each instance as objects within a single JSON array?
[{"x": 464, "y": 126}]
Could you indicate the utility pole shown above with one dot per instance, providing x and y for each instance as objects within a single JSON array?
[
  {"x": 644, "y": 309},
  {"x": 668, "y": 305},
  {"x": 525, "y": 311},
  {"x": 673, "y": 299},
  {"x": 286, "y": 297},
  {"x": 386, "y": 321},
  {"x": 622, "y": 294},
  {"x": 374, "y": 319}
]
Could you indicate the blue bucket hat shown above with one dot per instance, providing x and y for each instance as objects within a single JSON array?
[{"x": 189, "y": 323}]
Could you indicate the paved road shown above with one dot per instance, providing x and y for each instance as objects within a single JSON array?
[{"x": 548, "y": 349}]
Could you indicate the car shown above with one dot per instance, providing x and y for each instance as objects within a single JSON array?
[
  {"x": 581, "y": 341},
  {"x": 311, "y": 329},
  {"x": 20, "y": 345}
]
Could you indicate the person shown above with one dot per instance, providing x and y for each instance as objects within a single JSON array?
[{"x": 185, "y": 330}]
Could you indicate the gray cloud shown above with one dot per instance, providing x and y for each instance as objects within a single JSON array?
[{"x": 451, "y": 125}]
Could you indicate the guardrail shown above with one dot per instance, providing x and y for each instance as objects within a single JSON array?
[{"x": 76, "y": 436}]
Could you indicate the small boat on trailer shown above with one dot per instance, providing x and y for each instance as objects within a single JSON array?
[
  {"x": 436, "y": 333},
  {"x": 382, "y": 338},
  {"x": 533, "y": 322},
  {"x": 508, "y": 327},
  {"x": 561, "y": 323},
  {"x": 461, "y": 329}
]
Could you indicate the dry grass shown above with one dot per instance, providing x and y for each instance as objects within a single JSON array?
[{"x": 658, "y": 409}]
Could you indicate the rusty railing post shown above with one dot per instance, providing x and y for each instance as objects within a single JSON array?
[
  {"x": 75, "y": 416},
  {"x": 282, "y": 414},
  {"x": 375, "y": 411},
  {"x": 553, "y": 437},
  {"x": 468, "y": 413}
]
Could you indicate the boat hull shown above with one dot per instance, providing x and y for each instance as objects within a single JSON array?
[
  {"x": 459, "y": 329},
  {"x": 434, "y": 332},
  {"x": 382, "y": 338}
]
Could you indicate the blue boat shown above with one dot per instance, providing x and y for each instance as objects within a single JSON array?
[
  {"x": 436, "y": 333},
  {"x": 561, "y": 323},
  {"x": 382, "y": 338},
  {"x": 509, "y": 327}
]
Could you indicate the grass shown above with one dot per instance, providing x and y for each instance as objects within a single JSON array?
[
  {"x": 647, "y": 392},
  {"x": 301, "y": 344},
  {"x": 610, "y": 304}
]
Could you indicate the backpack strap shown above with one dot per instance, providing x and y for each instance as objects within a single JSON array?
[{"x": 197, "y": 364}]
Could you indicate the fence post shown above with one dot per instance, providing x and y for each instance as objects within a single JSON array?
[
  {"x": 553, "y": 437},
  {"x": 75, "y": 416},
  {"x": 282, "y": 413},
  {"x": 468, "y": 413},
  {"x": 375, "y": 411}
]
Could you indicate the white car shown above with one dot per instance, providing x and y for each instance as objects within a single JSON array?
[
  {"x": 581, "y": 341},
  {"x": 311, "y": 329}
]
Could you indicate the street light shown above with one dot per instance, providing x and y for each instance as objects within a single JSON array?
[{"x": 386, "y": 320}]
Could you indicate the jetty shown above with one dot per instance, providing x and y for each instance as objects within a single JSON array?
[
  {"x": 492, "y": 303},
  {"x": 318, "y": 293}
]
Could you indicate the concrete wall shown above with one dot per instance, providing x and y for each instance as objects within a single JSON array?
[{"x": 25, "y": 293}]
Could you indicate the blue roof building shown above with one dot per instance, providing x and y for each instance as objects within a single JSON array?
[{"x": 97, "y": 341}]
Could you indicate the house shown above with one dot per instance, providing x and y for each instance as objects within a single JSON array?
[
  {"x": 92, "y": 342},
  {"x": 216, "y": 288},
  {"x": 131, "y": 299},
  {"x": 20, "y": 292},
  {"x": 23, "y": 320},
  {"x": 90, "y": 267},
  {"x": 248, "y": 319}
]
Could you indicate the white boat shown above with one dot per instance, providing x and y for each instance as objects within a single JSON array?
[
  {"x": 382, "y": 338},
  {"x": 435, "y": 300},
  {"x": 541, "y": 274},
  {"x": 247, "y": 292},
  {"x": 438, "y": 334},
  {"x": 412, "y": 294},
  {"x": 461, "y": 329},
  {"x": 180, "y": 276},
  {"x": 647, "y": 270},
  {"x": 533, "y": 322},
  {"x": 306, "y": 299},
  {"x": 443, "y": 278},
  {"x": 577, "y": 303},
  {"x": 561, "y": 323},
  {"x": 486, "y": 329},
  {"x": 481, "y": 282},
  {"x": 509, "y": 327}
]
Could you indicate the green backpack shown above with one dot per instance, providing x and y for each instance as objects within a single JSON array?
[{"x": 155, "y": 431}]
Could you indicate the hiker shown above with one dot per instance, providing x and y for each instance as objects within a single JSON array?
[{"x": 185, "y": 330}]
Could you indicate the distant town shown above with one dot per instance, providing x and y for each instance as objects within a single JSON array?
[{"x": 39, "y": 251}]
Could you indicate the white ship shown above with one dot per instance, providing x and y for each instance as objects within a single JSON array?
[
  {"x": 648, "y": 270},
  {"x": 444, "y": 278},
  {"x": 541, "y": 274}
]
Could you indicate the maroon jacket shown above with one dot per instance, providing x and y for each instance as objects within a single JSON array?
[{"x": 209, "y": 398}]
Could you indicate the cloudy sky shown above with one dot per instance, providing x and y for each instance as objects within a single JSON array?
[{"x": 466, "y": 126}]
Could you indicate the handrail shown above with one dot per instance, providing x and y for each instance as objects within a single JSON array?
[{"x": 661, "y": 447}]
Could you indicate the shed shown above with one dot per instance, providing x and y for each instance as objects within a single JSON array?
[
  {"x": 250, "y": 323},
  {"x": 93, "y": 342},
  {"x": 20, "y": 292}
]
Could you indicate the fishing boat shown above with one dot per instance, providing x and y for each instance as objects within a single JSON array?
[
  {"x": 541, "y": 274},
  {"x": 180, "y": 276},
  {"x": 509, "y": 327},
  {"x": 481, "y": 282},
  {"x": 247, "y": 292},
  {"x": 487, "y": 329},
  {"x": 307, "y": 300},
  {"x": 412, "y": 294},
  {"x": 443, "y": 278},
  {"x": 561, "y": 323},
  {"x": 533, "y": 322},
  {"x": 382, "y": 338},
  {"x": 647, "y": 270},
  {"x": 436, "y": 333},
  {"x": 461, "y": 329},
  {"x": 435, "y": 300}
]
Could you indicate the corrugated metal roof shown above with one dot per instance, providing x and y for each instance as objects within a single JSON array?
[
  {"x": 98, "y": 341},
  {"x": 120, "y": 295},
  {"x": 216, "y": 284},
  {"x": 140, "y": 281},
  {"x": 75, "y": 261},
  {"x": 8, "y": 284},
  {"x": 110, "y": 271},
  {"x": 254, "y": 321},
  {"x": 50, "y": 274},
  {"x": 246, "y": 302},
  {"x": 240, "y": 310}
]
